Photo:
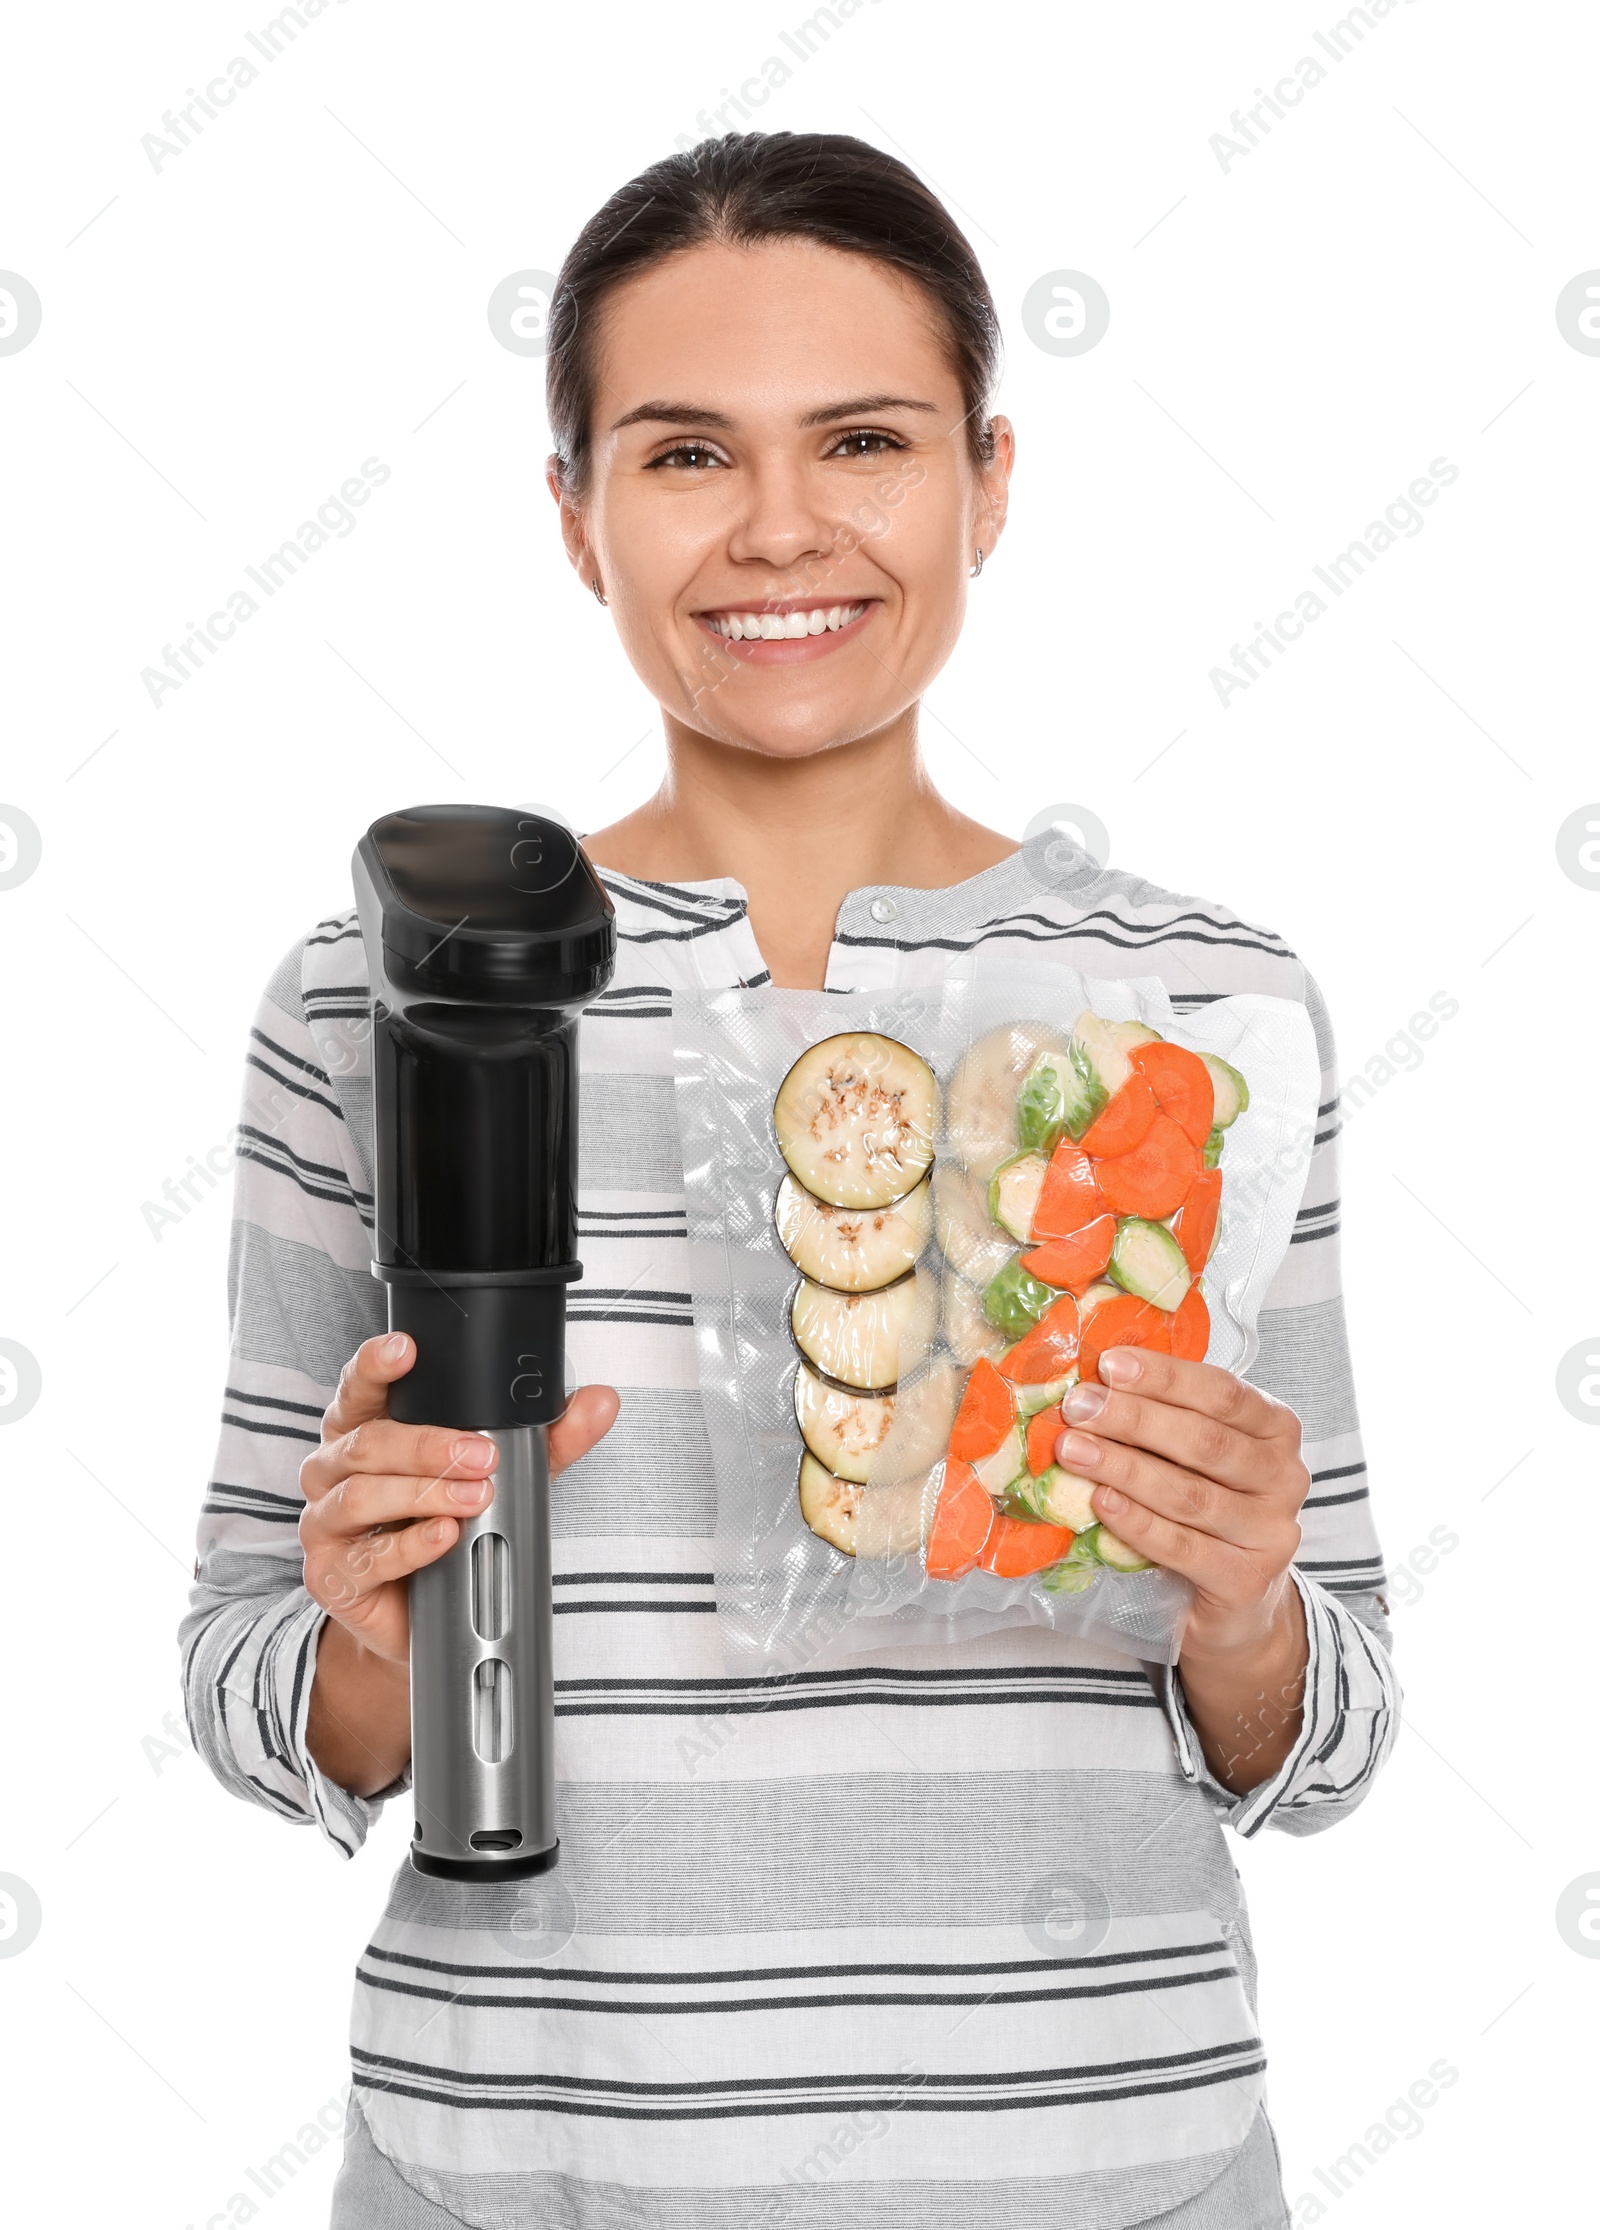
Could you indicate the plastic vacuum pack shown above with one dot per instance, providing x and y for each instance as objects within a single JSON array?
[{"x": 916, "y": 1219}]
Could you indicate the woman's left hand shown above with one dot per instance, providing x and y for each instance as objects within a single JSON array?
[{"x": 1203, "y": 1474}]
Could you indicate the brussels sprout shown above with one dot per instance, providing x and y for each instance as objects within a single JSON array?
[
  {"x": 1014, "y": 1194},
  {"x": 1231, "y": 1090},
  {"x": 1014, "y": 1300},
  {"x": 1060, "y": 1097}
]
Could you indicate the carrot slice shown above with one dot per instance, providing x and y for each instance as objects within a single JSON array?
[
  {"x": 1182, "y": 1085},
  {"x": 1195, "y": 1224},
  {"x": 1069, "y": 1199},
  {"x": 1016, "y": 1547},
  {"x": 1049, "y": 1351},
  {"x": 1153, "y": 1179},
  {"x": 1074, "y": 1263},
  {"x": 1191, "y": 1327},
  {"x": 986, "y": 1415},
  {"x": 1123, "y": 1121},
  {"x": 1124, "y": 1322},
  {"x": 962, "y": 1521},
  {"x": 1045, "y": 1428}
]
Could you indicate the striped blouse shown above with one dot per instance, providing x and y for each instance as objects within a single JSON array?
[{"x": 938, "y": 1935}]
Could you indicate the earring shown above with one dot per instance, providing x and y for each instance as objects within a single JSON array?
[
  {"x": 598, "y": 592},
  {"x": 977, "y": 567}
]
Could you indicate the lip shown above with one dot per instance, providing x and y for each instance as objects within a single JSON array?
[{"x": 796, "y": 650}]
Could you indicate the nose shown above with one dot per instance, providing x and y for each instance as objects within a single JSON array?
[{"x": 779, "y": 517}]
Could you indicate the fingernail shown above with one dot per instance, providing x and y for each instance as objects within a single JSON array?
[
  {"x": 394, "y": 1347},
  {"x": 468, "y": 1490},
  {"x": 1110, "y": 1498},
  {"x": 480, "y": 1454},
  {"x": 1077, "y": 1451},
  {"x": 1121, "y": 1362},
  {"x": 1083, "y": 1403},
  {"x": 439, "y": 1529}
]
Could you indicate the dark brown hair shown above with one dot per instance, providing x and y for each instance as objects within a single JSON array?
[{"x": 752, "y": 186}]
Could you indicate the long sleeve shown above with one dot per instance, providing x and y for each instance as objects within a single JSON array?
[
  {"x": 301, "y": 1299},
  {"x": 1352, "y": 1703}
]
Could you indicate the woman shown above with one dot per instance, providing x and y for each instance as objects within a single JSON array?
[{"x": 813, "y": 1962}]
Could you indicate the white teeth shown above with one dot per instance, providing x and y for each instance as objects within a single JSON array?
[{"x": 776, "y": 627}]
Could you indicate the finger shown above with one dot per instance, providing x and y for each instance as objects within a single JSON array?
[
  {"x": 362, "y": 1501},
  {"x": 381, "y": 1445},
  {"x": 1188, "y": 1437},
  {"x": 347, "y": 1578},
  {"x": 587, "y": 1418},
  {"x": 1244, "y": 1522},
  {"x": 1205, "y": 1387},
  {"x": 1226, "y": 1571},
  {"x": 363, "y": 1389}
]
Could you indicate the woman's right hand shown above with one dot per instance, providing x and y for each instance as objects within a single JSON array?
[{"x": 382, "y": 1500}]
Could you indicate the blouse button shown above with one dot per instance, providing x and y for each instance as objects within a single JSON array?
[{"x": 883, "y": 909}]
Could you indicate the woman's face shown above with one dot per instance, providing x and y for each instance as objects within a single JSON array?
[{"x": 779, "y": 444}]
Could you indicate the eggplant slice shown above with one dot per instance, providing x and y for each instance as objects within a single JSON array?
[
  {"x": 919, "y": 1434},
  {"x": 842, "y": 1430},
  {"x": 829, "y": 1504},
  {"x": 855, "y": 1119},
  {"x": 853, "y": 1250},
  {"x": 861, "y": 1339},
  {"x": 861, "y": 1521}
]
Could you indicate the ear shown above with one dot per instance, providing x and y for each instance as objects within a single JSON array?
[
  {"x": 572, "y": 531},
  {"x": 994, "y": 482}
]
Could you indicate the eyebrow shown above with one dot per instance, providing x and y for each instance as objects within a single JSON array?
[{"x": 693, "y": 414}]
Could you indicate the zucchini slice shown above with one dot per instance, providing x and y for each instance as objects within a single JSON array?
[
  {"x": 1008, "y": 1462},
  {"x": 966, "y": 1232},
  {"x": 1101, "y": 1290},
  {"x": 967, "y": 1330},
  {"x": 1014, "y": 1191},
  {"x": 855, "y": 1119},
  {"x": 1147, "y": 1260},
  {"x": 1231, "y": 1090},
  {"x": 854, "y": 1250},
  {"x": 1014, "y": 1299},
  {"x": 843, "y": 1430},
  {"x": 829, "y": 1505},
  {"x": 982, "y": 1103},
  {"x": 1129, "y": 1034},
  {"x": 860, "y": 1339}
]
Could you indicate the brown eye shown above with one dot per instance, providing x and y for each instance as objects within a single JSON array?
[
  {"x": 688, "y": 456},
  {"x": 865, "y": 441}
]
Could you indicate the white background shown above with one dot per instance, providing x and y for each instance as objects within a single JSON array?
[{"x": 1371, "y": 288}]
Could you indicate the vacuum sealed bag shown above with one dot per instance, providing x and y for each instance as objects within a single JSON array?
[{"x": 917, "y": 1219}]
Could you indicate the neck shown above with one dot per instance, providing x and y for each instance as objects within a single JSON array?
[{"x": 799, "y": 834}]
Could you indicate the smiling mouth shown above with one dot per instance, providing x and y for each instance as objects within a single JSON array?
[
  {"x": 787, "y": 624},
  {"x": 790, "y": 631}
]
